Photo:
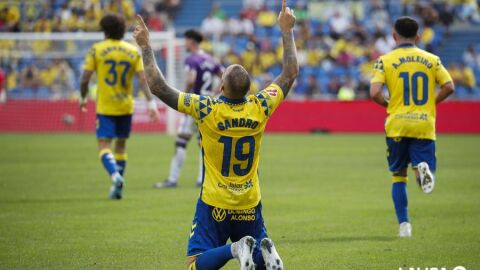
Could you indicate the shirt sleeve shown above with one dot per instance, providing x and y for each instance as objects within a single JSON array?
[
  {"x": 441, "y": 74},
  {"x": 197, "y": 106},
  {"x": 139, "y": 64},
  {"x": 270, "y": 98},
  {"x": 90, "y": 63},
  {"x": 190, "y": 65},
  {"x": 378, "y": 72}
]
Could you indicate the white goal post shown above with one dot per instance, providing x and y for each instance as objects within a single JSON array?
[{"x": 16, "y": 48}]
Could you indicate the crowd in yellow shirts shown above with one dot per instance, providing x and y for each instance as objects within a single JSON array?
[{"x": 337, "y": 45}]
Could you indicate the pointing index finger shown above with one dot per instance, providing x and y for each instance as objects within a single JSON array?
[
  {"x": 284, "y": 5},
  {"x": 140, "y": 21}
]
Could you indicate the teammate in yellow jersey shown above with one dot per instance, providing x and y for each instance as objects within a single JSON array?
[
  {"x": 231, "y": 129},
  {"x": 115, "y": 62},
  {"x": 411, "y": 76}
]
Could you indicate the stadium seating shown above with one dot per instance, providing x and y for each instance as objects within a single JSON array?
[{"x": 326, "y": 55}]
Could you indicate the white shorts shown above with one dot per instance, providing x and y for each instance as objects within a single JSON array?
[{"x": 187, "y": 125}]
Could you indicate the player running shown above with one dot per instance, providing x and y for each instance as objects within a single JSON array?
[
  {"x": 115, "y": 62},
  {"x": 411, "y": 75},
  {"x": 201, "y": 70},
  {"x": 231, "y": 129}
]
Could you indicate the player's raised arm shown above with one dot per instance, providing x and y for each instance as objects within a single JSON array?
[
  {"x": 155, "y": 79},
  {"x": 286, "y": 21}
]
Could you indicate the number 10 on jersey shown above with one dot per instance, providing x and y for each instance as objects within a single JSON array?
[{"x": 413, "y": 90}]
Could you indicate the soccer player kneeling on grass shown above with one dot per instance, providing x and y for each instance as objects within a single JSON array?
[
  {"x": 231, "y": 129},
  {"x": 115, "y": 62},
  {"x": 411, "y": 75}
]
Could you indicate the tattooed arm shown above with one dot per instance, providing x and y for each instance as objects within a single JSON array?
[
  {"x": 156, "y": 81},
  {"x": 154, "y": 77},
  {"x": 286, "y": 21}
]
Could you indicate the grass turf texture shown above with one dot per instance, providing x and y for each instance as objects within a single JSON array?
[{"x": 326, "y": 204}]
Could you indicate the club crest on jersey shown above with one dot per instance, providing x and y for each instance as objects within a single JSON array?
[
  {"x": 271, "y": 92},
  {"x": 186, "y": 100},
  {"x": 219, "y": 214}
]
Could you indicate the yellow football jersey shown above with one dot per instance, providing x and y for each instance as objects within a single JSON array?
[
  {"x": 115, "y": 62},
  {"x": 231, "y": 134},
  {"x": 411, "y": 76}
]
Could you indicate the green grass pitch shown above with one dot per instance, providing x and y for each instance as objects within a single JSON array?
[{"x": 326, "y": 204}]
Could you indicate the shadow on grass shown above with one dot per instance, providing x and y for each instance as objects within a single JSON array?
[{"x": 339, "y": 239}]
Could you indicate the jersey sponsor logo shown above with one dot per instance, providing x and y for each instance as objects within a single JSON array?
[
  {"x": 412, "y": 116},
  {"x": 237, "y": 122},
  {"x": 219, "y": 214},
  {"x": 242, "y": 215},
  {"x": 272, "y": 92},
  {"x": 187, "y": 99},
  {"x": 235, "y": 187}
]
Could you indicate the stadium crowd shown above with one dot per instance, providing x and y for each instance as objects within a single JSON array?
[
  {"x": 337, "y": 49},
  {"x": 56, "y": 77},
  {"x": 337, "y": 46}
]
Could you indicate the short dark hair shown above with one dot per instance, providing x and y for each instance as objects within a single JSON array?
[
  {"x": 113, "y": 25},
  {"x": 406, "y": 27},
  {"x": 237, "y": 81},
  {"x": 194, "y": 35}
]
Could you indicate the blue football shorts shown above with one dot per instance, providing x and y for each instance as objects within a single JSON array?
[
  {"x": 212, "y": 227},
  {"x": 401, "y": 151},
  {"x": 113, "y": 126}
]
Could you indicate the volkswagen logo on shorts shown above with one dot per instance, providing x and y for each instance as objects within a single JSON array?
[{"x": 219, "y": 214}]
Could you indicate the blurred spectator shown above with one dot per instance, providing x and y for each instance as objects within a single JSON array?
[
  {"x": 266, "y": 17},
  {"x": 62, "y": 85},
  {"x": 333, "y": 86},
  {"x": 463, "y": 77},
  {"x": 347, "y": 91},
  {"x": 312, "y": 89},
  {"x": 3, "y": 92},
  {"x": 218, "y": 12},
  {"x": 339, "y": 24},
  {"x": 234, "y": 26},
  {"x": 247, "y": 25},
  {"x": 383, "y": 44},
  {"x": 471, "y": 57},
  {"x": 212, "y": 25},
  {"x": 231, "y": 58},
  {"x": 468, "y": 78},
  {"x": 301, "y": 11},
  {"x": 445, "y": 14},
  {"x": 156, "y": 22},
  {"x": 253, "y": 4},
  {"x": 249, "y": 13},
  {"x": 30, "y": 77},
  {"x": 249, "y": 56},
  {"x": 467, "y": 10},
  {"x": 378, "y": 17}
]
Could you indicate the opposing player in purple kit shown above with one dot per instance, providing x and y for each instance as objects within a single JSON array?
[{"x": 201, "y": 70}]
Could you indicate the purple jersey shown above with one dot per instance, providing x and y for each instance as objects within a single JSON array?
[{"x": 205, "y": 68}]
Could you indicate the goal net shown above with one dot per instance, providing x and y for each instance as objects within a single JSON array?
[{"x": 42, "y": 74}]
